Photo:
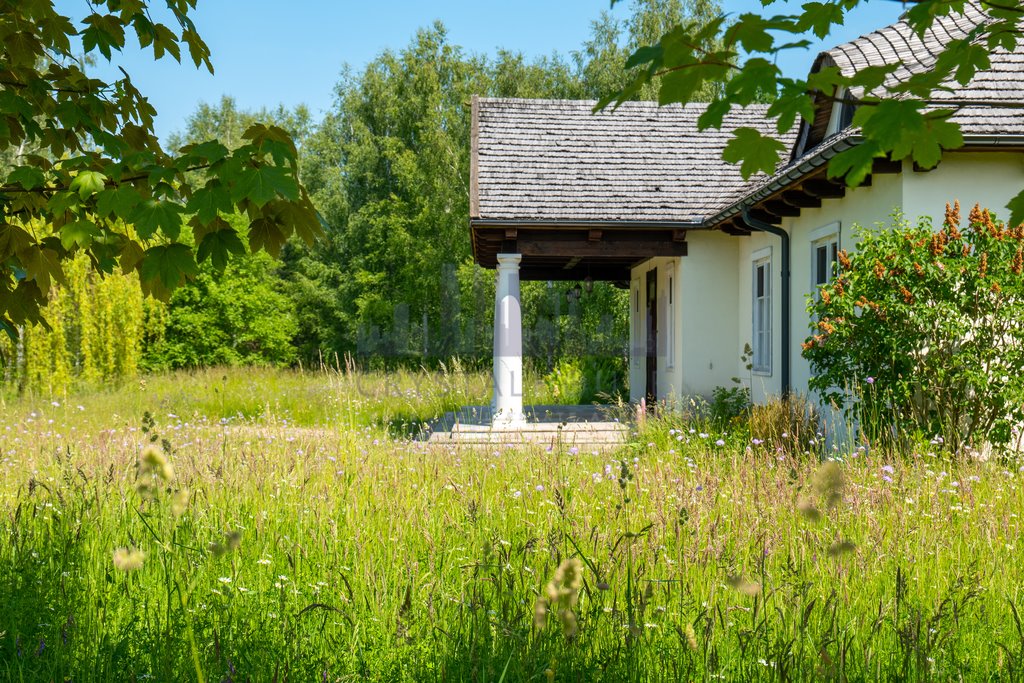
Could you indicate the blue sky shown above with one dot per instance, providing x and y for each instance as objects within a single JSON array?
[{"x": 270, "y": 52}]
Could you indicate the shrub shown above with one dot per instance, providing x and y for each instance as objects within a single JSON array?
[
  {"x": 728, "y": 405},
  {"x": 791, "y": 423},
  {"x": 919, "y": 331},
  {"x": 576, "y": 381},
  {"x": 236, "y": 317}
]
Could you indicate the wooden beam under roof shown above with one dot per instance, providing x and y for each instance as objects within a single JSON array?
[
  {"x": 764, "y": 216},
  {"x": 617, "y": 249},
  {"x": 735, "y": 229},
  {"x": 780, "y": 208},
  {"x": 800, "y": 199},
  {"x": 883, "y": 165},
  {"x": 824, "y": 189}
]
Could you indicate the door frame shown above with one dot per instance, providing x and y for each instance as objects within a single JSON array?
[{"x": 651, "y": 324}]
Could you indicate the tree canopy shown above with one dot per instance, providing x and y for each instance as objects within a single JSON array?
[
  {"x": 898, "y": 118},
  {"x": 84, "y": 172}
]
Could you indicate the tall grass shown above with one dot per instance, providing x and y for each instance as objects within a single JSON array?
[{"x": 309, "y": 544}]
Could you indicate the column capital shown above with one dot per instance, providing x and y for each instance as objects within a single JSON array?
[{"x": 509, "y": 260}]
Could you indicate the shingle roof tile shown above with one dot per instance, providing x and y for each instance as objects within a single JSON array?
[{"x": 556, "y": 160}]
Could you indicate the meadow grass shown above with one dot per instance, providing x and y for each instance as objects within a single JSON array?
[{"x": 275, "y": 528}]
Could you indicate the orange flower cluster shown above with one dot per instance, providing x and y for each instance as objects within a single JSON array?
[
  {"x": 908, "y": 297},
  {"x": 879, "y": 270},
  {"x": 983, "y": 265},
  {"x": 919, "y": 269},
  {"x": 826, "y": 326},
  {"x": 952, "y": 221},
  {"x": 981, "y": 219},
  {"x": 996, "y": 288},
  {"x": 938, "y": 243},
  {"x": 844, "y": 259},
  {"x": 827, "y": 298},
  {"x": 975, "y": 216},
  {"x": 864, "y": 303},
  {"x": 816, "y": 340},
  {"x": 1018, "y": 261}
]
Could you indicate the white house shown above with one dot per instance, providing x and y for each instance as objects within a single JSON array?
[{"x": 639, "y": 196}]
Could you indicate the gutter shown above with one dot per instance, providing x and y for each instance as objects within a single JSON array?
[
  {"x": 786, "y": 179},
  {"x": 606, "y": 223},
  {"x": 786, "y": 303},
  {"x": 827, "y": 151}
]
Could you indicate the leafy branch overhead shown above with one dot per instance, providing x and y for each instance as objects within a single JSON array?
[
  {"x": 83, "y": 172},
  {"x": 897, "y": 113}
]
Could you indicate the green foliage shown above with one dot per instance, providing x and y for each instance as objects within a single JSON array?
[
  {"x": 580, "y": 381},
  {"x": 337, "y": 552},
  {"x": 91, "y": 333},
  {"x": 919, "y": 332},
  {"x": 85, "y": 174},
  {"x": 728, "y": 405},
  {"x": 389, "y": 171},
  {"x": 736, "y": 60},
  {"x": 233, "y": 317}
]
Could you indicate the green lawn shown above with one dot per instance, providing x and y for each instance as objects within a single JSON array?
[{"x": 299, "y": 537}]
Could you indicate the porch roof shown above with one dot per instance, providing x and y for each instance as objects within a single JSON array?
[
  {"x": 593, "y": 194},
  {"x": 580, "y": 194},
  {"x": 558, "y": 161}
]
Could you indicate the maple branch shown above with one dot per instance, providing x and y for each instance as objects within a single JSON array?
[{"x": 14, "y": 189}]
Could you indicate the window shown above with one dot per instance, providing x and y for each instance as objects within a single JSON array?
[
  {"x": 824, "y": 255},
  {"x": 762, "y": 309},
  {"x": 841, "y": 116}
]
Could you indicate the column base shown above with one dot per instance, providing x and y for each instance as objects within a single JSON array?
[{"x": 507, "y": 417}]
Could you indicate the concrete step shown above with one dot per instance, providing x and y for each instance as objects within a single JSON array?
[{"x": 580, "y": 426}]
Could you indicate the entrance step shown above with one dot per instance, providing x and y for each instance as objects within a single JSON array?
[{"x": 591, "y": 427}]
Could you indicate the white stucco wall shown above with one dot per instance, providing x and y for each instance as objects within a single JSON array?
[
  {"x": 707, "y": 322},
  {"x": 698, "y": 330},
  {"x": 864, "y": 206},
  {"x": 987, "y": 178},
  {"x": 713, "y": 284},
  {"x": 768, "y": 383}
]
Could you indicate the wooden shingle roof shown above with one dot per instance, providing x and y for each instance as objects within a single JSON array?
[
  {"x": 990, "y": 104},
  {"x": 580, "y": 194},
  {"x": 555, "y": 160},
  {"x": 899, "y": 43}
]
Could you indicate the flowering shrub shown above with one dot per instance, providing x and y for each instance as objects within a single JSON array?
[{"x": 919, "y": 331}]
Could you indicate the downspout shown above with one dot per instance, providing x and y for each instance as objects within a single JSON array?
[{"x": 786, "y": 303}]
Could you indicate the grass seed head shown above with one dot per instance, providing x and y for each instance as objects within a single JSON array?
[
  {"x": 808, "y": 510},
  {"x": 744, "y": 586},
  {"x": 561, "y": 594},
  {"x": 152, "y": 460},
  {"x": 691, "y": 637},
  {"x": 828, "y": 483},
  {"x": 841, "y": 548},
  {"x": 179, "y": 502},
  {"x": 129, "y": 559}
]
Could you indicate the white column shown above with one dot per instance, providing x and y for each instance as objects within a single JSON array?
[{"x": 508, "y": 343}]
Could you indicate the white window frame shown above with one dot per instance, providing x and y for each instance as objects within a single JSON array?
[
  {"x": 836, "y": 116},
  {"x": 761, "y": 312},
  {"x": 670, "y": 331},
  {"x": 825, "y": 236}
]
